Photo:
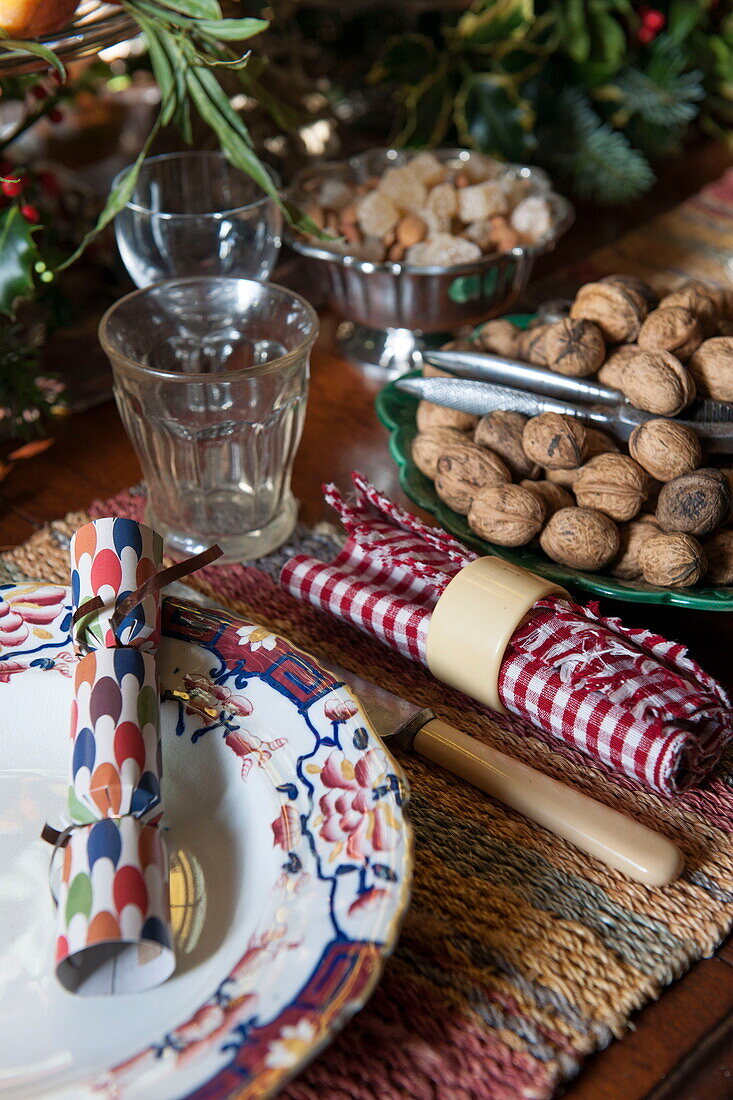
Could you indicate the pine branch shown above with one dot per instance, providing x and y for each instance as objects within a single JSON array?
[
  {"x": 663, "y": 94},
  {"x": 598, "y": 160}
]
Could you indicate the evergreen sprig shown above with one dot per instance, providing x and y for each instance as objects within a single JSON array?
[
  {"x": 663, "y": 93},
  {"x": 598, "y": 161},
  {"x": 499, "y": 73}
]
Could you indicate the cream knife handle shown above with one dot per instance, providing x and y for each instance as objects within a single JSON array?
[{"x": 615, "y": 839}]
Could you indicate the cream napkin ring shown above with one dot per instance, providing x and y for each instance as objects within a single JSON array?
[{"x": 474, "y": 620}]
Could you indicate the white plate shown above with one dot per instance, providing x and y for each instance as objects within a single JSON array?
[{"x": 290, "y": 865}]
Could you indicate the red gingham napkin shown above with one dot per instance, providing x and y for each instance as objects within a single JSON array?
[{"x": 627, "y": 697}]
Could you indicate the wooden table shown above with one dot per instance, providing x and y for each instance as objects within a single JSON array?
[{"x": 681, "y": 1047}]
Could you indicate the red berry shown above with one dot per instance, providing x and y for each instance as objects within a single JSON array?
[
  {"x": 11, "y": 188},
  {"x": 30, "y": 213},
  {"x": 55, "y": 115},
  {"x": 38, "y": 91},
  {"x": 49, "y": 181}
]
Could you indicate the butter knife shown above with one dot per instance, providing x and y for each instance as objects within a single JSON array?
[{"x": 615, "y": 839}]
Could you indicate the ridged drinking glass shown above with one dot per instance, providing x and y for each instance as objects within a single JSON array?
[{"x": 211, "y": 380}]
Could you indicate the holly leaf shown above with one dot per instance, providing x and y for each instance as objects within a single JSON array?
[
  {"x": 406, "y": 59},
  {"x": 428, "y": 107},
  {"x": 18, "y": 254},
  {"x": 495, "y": 23},
  {"x": 490, "y": 116}
]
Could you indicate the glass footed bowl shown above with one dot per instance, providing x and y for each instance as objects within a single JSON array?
[{"x": 391, "y": 308}]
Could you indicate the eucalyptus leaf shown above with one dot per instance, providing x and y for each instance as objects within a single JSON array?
[
  {"x": 196, "y": 9},
  {"x": 237, "y": 151},
  {"x": 35, "y": 49},
  {"x": 231, "y": 30},
  {"x": 227, "y": 118},
  {"x": 223, "y": 63},
  {"x": 19, "y": 253},
  {"x": 182, "y": 116},
  {"x": 118, "y": 197}
]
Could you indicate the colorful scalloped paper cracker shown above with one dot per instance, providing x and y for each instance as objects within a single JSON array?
[
  {"x": 111, "y": 558},
  {"x": 115, "y": 730},
  {"x": 113, "y": 933}
]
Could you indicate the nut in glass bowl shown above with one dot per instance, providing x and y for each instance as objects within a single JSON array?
[{"x": 395, "y": 307}]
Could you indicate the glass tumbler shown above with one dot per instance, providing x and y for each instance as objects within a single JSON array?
[
  {"x": 193, "y": 213},
  {"x": 211, "y": 380}
]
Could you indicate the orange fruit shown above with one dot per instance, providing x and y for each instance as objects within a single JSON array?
[{"x": 32, "y": 18}]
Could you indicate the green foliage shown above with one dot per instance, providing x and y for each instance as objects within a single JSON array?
[
  {"x": 188, "y": 43},
  {"x": 597, "y": 160},
  {"x": 24, "y": 399},
  {"x": 589, "y": 88},
  {"x": 19, "y": 255}
]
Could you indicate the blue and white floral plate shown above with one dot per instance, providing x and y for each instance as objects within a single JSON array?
[{"x": 290, "y": 864}]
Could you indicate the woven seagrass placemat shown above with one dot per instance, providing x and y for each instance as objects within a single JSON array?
[{"x": 519, "y": 955}]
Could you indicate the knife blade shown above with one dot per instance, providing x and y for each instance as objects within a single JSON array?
[{"x": 617, "y": 840}]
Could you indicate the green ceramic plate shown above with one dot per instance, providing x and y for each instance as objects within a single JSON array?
[{"x": 396, "y": 410}]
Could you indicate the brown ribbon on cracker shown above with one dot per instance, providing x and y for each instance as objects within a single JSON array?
[{"x": 150, "y": 587}]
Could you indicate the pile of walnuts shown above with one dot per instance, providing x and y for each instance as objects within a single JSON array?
[
  {"x": 661, "y": 352},
  {"x": 656, "y": 513}
]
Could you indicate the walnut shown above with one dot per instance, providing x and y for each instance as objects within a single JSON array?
[
  {"x": 665, "y": 449},
  {"x": 712, "y": 368},
  {"x": 435, "y": 416},
  {"x": 631, "y": 282},
  {"x": 531, "y": 345},
  {"x": 506, "y": 514},
  {"x": 617, "y": 309},
  {"x": 581, "y": 538},
  {"x": 633, "y": 536},
  {"x": 564, "y": 478},
  {"x": 723, "y": 299},
  {"x": 613, "y": 484},
  {"x": 462, "y": 470},
  {"x": 502, "y": 432},
  {"x": 697, "y": 298},
  {"x": 499, "y": 338},
  {"x": 719, "y": 552},
  {"x": 554, "y": 441},
  {"x": 695, "y": 503},
  {"x": 599, "y": 443},
  {"x": 672, "y": 328},
  {"x": 427, "y": 447},
  {"x": 673, "y": 561},
  {"x": 657, "y": 382},
  {"x": 610, "y": 372},
  {"x": 552, "y": 496},
  {"x": 575, "y": 348}
]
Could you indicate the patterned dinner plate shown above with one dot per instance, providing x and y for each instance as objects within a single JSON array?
[{"x": 290, "y": 864}]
